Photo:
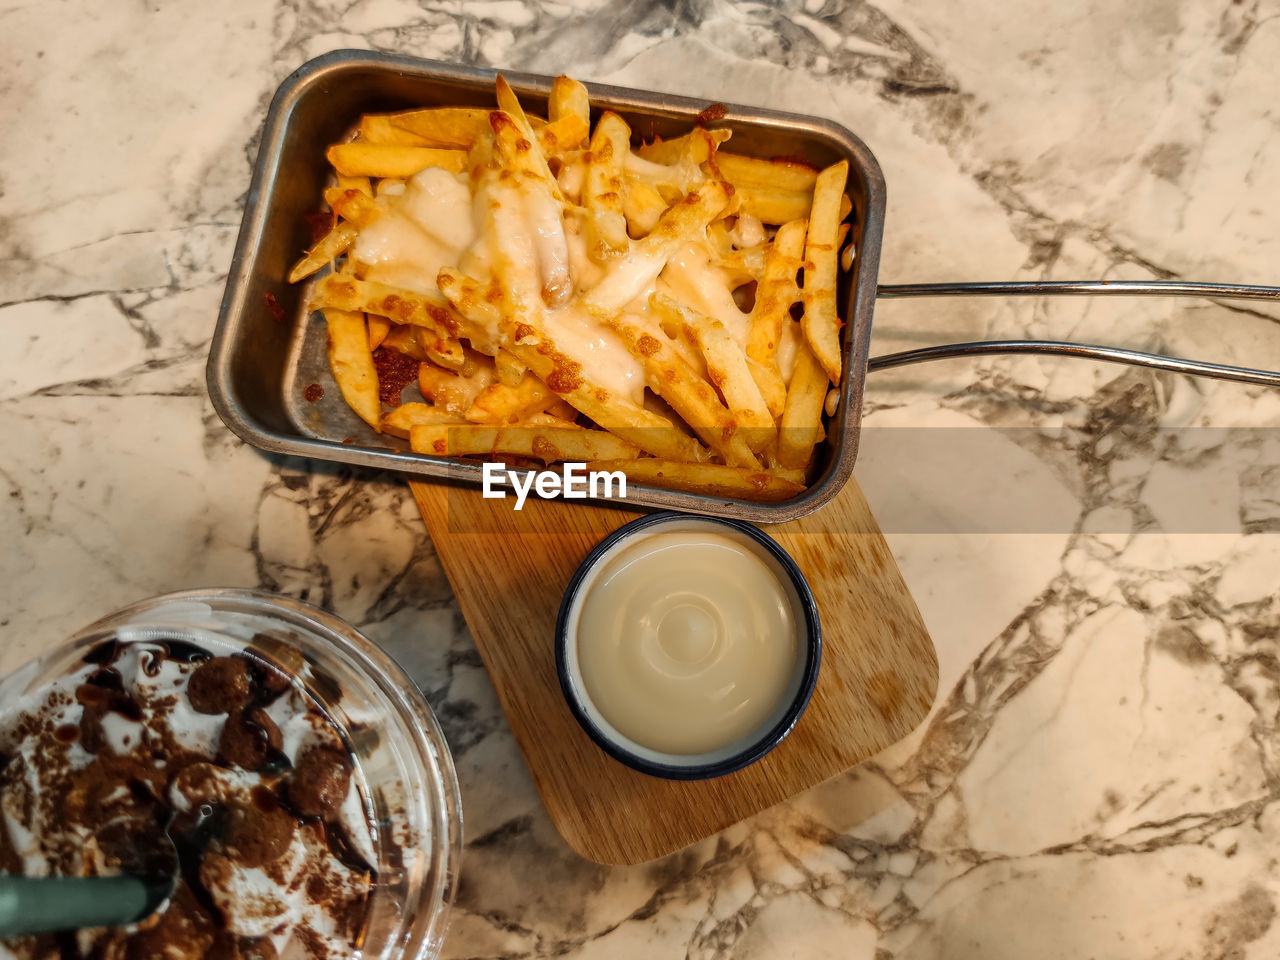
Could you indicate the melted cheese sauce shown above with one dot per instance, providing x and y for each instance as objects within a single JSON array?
[
  {"x": 418, "y": 231},
  {"x": 686, "y": 641},
  {"x": 693, "y": 279},
  {"x": 605, "y": 359}
]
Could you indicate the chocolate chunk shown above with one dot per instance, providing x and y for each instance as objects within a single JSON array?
[
  {"x": 276, "y": 662},
  {"x": 249, "y": 739},
  {"x": 219, "y": 685},
  {"x": 319, "y": 782},
  {"x": 255, "y": 836}
]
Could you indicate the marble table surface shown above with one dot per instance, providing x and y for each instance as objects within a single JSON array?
[{"x": 1094, "y": 548}]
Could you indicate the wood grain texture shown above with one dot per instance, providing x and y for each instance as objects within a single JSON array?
[{"x": 509, "y": 570}]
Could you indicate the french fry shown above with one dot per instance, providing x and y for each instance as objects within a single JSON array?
[
  {"x": 500, "y": 404},
  {"x": 688, "y": 394},
  {"x": 352, "y": 203},
  {"x": 327, "y": 249},
  {"x": 649, "y": 431},
  {"x": 548, "y": 444},
  {"x": 480, "y": 305},
  {"x": 388, "y": 160},
  {"x": 801, "y": 424},
  {"x": 563, "y": 411},
  {"x": 698, "y": 145},
  {"x": 510, "y": 104},
  {"x": 569, "y": 99},
  {"x": 727, "y": 369},
  {"x": 712, "y": 479},
  {"x": 550, "y": 420},
  {"x": 749, "y": 171},
  {"x": 641, "y": 265},
  {"x": 457, "y": 127},
  {"x": 775, "y": 293},
  {"x": 603, "y": 191},
  {"x": 509, "y": 369},
  {"x": 772, "y": 387},
  {"x": 774, "y": 204},
  {"x": 405, "y": 417},
  {"x": 381, "y": 129},
  {"x": 360, "y": 184},
  {"x": 352, "y": 364},
  {"x": 379, "y": 327},
  {"x": 395, "y": 303},
  {"x": 425, "y": 345},
  {"x": 642, "y": 205},
  {"x": 821, "y": 321},
  {"x": 539, "y": 192},
  {"x": 453, "y": 392},
  {"x": 563, "y": 136}
]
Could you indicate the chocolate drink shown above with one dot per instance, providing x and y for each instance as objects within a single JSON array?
[{"x": 235, "y": 758}]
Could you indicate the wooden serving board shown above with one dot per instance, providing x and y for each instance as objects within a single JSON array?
[{"x": 509, "y": 570}]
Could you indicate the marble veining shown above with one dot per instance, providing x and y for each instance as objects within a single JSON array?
[{"x": 1094, "y": 548}]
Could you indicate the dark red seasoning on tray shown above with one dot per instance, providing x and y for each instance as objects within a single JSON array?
[
  {"x": 273, "y": 307},
  {"x": 313, "y": 393},
  {"x": 395, "y": 372}
]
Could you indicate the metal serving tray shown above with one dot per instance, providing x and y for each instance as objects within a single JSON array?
[{"x": 267, "y": 349}]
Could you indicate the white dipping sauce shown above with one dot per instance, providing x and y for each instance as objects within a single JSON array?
[{"x": 686, "y": 641}]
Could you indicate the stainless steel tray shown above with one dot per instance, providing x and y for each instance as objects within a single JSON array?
[{"x": 267, "y": 350}]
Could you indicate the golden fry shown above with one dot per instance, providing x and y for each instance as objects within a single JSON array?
[
  {"x": 569, "y": 99},
  {"x": 749, "y": 171},
  {"x": 712, "y": 479},
  {"x": 510, "y": 104},
  {"x": 457, "y": 127},
  {"x": 603, "y": 192},
  {"x": 821, "y": 321},
  {"x": 405, "y": 417},
  {"x": 379, "y": 160},
  {"x": 773, "y": 204},
  {"x": 453, "y": 392},
  {"x": 382, "y": 129},
  {"x": 563, "y": 135},
  {"x": 548, "y": 444},
  {"x": 501, "y": 404},
  {"x": 688, "y": 394},
  {"x": 379, "y": 327},
  {"x": 361, "y": 184},
  {"x": 642, "y": 205},
  {"x": 650, "y": 431},
  {"x": 352, "y": 203},
  {"x": 331, "y": 246},
  {"x": 352, "y": 364},
  {"x": 801, "y": 422},
  {"x": 395, "y": 303},
  {"x": 550, "y": 420},
  {"x": 698, "y": 146},
  {"x": 775, "y": 294},
  {"x": 509, "y": 369},
  {"x": 727, "y": 369},
  {"x": 646, "y": 258}
]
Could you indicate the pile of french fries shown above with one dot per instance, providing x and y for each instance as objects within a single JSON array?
[{"x": 722, "y": 414}]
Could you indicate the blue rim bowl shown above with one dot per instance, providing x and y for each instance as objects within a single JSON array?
[{"x": 737, "y": 755}]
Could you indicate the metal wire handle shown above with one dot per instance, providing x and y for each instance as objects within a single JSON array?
[{"x": 1062, "y": 348}]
